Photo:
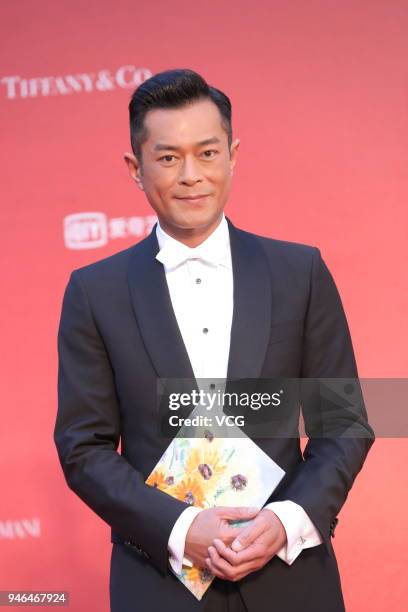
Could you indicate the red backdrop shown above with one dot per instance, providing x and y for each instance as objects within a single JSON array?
[{"x": 319, "y": 92}]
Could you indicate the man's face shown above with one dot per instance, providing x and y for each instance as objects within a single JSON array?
[{"x": 186, "y": 155}]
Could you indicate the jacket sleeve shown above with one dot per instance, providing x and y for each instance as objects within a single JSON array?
[
  {"x": 87, "y": 433},
  {"x": 339, "y": 439}
]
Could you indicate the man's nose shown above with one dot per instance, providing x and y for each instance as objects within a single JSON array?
[{"x": 190, "y": 172}]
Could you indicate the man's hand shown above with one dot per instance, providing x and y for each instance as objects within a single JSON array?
[
  {"x": 213, "y": 523},
  {"x": 254, "y": 546}
]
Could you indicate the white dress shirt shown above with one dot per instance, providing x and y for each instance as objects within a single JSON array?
[{"x": 201, "y": 292}]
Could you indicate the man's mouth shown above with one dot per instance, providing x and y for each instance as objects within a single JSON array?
[{"x": 195, "y": 198}]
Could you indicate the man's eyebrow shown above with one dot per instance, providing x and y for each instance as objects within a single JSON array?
[{"x": 166, "y": 147}]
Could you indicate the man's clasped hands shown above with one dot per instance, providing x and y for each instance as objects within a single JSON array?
[{"x": 231, "y": 552}]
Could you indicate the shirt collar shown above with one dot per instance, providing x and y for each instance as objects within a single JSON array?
[{"x": 214, "y": 250}]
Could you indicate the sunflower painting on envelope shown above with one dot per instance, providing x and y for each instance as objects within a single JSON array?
[{"x": 207, "y": 472}]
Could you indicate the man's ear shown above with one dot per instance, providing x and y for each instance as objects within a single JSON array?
[
  {"x": 135, "y": 168},
  {"x": 234, "y": 153}
]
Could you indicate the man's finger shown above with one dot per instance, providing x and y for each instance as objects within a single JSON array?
[
  {"x": 251, "y": 553},
  {"x": 247, "y": 536},
  {"x": 228, "y": 533},
  {"x": 225, "y": 552},
  {"x": 222, "y": 569},
  {"x": 213, "y": 570}
]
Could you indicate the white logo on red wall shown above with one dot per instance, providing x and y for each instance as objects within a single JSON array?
[
  {"x": 125, "y": 77},
  {"x": 20, "y": 529},
  {"x": 91, "y": 230}
]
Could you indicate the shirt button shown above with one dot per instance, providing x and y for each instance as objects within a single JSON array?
[
  {"x": 198, "y": 281},
  {"x": 205, "y": 330}
]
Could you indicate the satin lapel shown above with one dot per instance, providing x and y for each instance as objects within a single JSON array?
[
  {"x": 252, "y": 306},
  {"x": 154, "y": 312}
]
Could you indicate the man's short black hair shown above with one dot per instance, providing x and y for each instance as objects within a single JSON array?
[{"x": 172, "y": 89}]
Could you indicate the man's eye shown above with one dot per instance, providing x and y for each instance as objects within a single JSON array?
[
  {"x": 165, "y": 158},
  {"x": 209, "y": 151}
]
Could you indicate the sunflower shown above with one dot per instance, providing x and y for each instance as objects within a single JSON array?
[
  {"x": 159, "y": 480},
  {"x": 190, "y": 491},
  {"x": 198, "y": 574},
  {"x": 205, "y": 465}
]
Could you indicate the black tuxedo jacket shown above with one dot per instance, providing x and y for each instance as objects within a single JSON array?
[{"x": 118, "y": 334}]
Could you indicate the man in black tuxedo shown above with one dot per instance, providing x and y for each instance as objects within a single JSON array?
[{"x": 124, "y": 324}]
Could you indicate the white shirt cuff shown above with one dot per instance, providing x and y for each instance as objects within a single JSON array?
[
  {"x": 177, "y": 539},
  {"x": 300, "y": 531}
]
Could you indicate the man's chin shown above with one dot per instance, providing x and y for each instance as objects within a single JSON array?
[{"x": 196, "y": 223}]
